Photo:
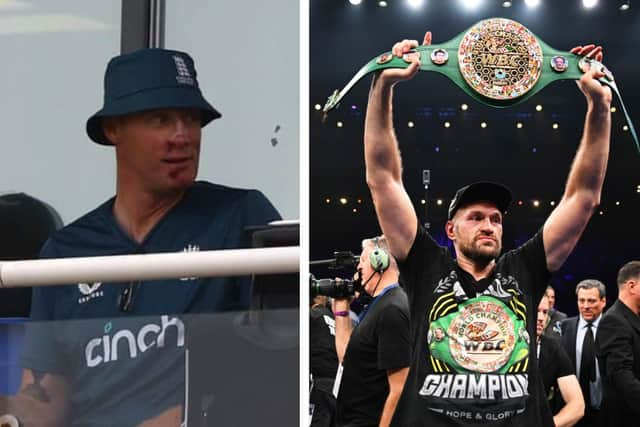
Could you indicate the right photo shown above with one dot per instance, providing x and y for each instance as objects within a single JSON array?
[{"x": 474, "y": 193}]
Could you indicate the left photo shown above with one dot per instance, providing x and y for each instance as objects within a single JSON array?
[{"x": 149, "y": 213}]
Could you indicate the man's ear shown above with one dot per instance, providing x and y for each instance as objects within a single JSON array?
[
  {"x": 111, "y": 128},
  {"x": 448, "y": 228}
]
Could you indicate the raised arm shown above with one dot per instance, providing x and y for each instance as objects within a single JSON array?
[
  {"x": 395, "y": 211},
  {"x": 42, "y": 401},
  {"x": 582, "y": 192}
]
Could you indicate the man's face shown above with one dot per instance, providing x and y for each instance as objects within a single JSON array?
[
  {"x": 476, "y": 231},
  {"x": 543, "y": 313},
  {"x": 551, "y": 296},
  {"x": 590, "y": 305},
  {"x": 158, "y": 150},
  {"x": 365, "y": 266}
]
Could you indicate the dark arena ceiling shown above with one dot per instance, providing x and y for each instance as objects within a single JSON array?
[{"x": 533, "y": 159}]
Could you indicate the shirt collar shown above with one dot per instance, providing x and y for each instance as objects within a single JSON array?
[{"x": 583, "y": 323}]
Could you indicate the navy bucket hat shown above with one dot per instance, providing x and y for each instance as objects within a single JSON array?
[{"x": 149, "y": 79}]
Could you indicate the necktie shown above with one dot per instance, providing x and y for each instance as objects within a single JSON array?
[{"x": 588, "y": 362}]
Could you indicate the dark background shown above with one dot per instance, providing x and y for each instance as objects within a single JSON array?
[{"x": 533, "y": 161}]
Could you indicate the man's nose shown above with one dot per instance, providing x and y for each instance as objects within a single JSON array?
[{"x": 179, "y": 131}]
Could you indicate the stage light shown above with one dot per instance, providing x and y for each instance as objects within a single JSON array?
[
  {"x": 506, "y": 4},
  {"x": 589, "y": 4},
  {"x": 601, "y": 212},
  {"x": 483, "y": 125},
  {"x": 520, "y": 203},
  {"x": 355, "y": 2},
  {"x": 339, "y": 124},
  {"x": 327, "y": 200},
  {"x": 536, "y": 203},
  {"x": 538, "y": 107},
  {"x": 415, "y": 4},
  {"x": 464, "y": 107},
  {"x": 447, "y": 124},
  {"x": 359, "y": 201},
  {"x": 382, "y": 3},
  {"x": 423, "y": 202},
  {"x": 318, "y": 107},
  {"x": 439, "y": 202},
  {"x": 343, "y": 200},
  {"x": 532, "y": 3},
  {"x": 625, "y": 6},
  {"x": 519, "y": 125},
  {"x": 555, "y": 126},
  {"x": 471, "y": 4},
  {"x": 625, "y": 128},
  {"x": 410, "y": 124},
  {"x": 354, "y": 210},
  {"x": 552, "y": 203},
  {"x": 613, "y": 109},
  {"x": 617, "y": 203}
]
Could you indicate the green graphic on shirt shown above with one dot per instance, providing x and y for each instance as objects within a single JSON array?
[{"x": 483, "y": 335}]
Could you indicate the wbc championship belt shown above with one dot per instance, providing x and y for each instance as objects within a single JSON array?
[{"x": 498, "y": 62}]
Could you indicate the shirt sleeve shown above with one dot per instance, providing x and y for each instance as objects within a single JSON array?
[
  {"x": 424, "y": 252},
  {"x": 533, "y": 260},
  {"x": 394, "y": 341},
  {"x": 561, "y": 360},
  {"x": 38, "y": 351}
]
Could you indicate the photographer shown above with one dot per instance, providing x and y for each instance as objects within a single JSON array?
[{"x": 375, "y": 355}]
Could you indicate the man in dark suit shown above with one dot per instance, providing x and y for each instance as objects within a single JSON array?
[
  {"x": 578, "y": 339},
  {"x": 555, "y": 318},
  {"x": 619, "y": 351}
]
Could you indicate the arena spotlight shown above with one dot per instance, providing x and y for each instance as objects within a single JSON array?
[
  {"x": 471, "y": 4},
  {"x": 589, "y": 4},
  {"x": 382, "y": 3},
  {"x": 506, "y": 3},
  {"x": 625, "y": 5},
  {"x": 355, "y": 2},
  {"x": 532, "y": 3},
  {"x": 415, "y": 4}
]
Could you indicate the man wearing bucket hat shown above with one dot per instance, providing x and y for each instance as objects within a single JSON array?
[
  {"x": 81, "y": 373},
  {"x": 474, "y": 316}
]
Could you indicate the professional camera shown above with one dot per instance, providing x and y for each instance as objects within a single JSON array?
[
  {"x": 334, "y": 288},
  {"x": 341, "y": 260}
]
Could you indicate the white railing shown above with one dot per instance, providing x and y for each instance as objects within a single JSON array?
[{"x": 173, "y": 265}]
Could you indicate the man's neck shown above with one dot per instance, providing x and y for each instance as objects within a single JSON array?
[
  {"x": 386, "y": 281},
  {"x": 478, "y": 271},
  {"x": 138, "y": 212},
  {"x": 628, "y": 301}
]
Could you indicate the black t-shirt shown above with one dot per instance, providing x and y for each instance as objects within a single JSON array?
[
  {"x": 322, "y": 342},
  {"x": 380, "y": 342},
  {"x": 474, "y": 359},
  {"x": 554, "y": 363}
]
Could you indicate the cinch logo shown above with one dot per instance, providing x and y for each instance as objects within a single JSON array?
[{"x": 107, "y": 348}]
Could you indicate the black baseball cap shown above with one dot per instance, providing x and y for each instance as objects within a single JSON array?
[
  {"x": 148, "y": 79},
  {"x": 492, "y": 192}
]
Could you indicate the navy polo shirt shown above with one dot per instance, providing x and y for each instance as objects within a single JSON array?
[{"x": 125, "y": 367}]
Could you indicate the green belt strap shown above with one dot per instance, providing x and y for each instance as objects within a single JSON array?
[{"x": 501, "y": 30}]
